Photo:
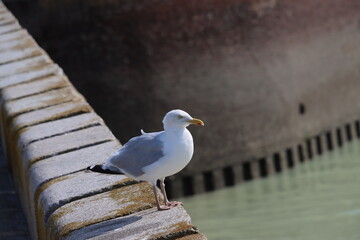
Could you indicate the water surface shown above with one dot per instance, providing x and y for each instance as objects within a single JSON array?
[{"x": 318, "y": 199}]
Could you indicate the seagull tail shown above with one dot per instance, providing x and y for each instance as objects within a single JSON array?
[{"x": 103, "y": 168}]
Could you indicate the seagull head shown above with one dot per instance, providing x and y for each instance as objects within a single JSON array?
[{"x": 180, "y": 119}]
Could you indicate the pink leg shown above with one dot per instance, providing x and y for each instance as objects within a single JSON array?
[
  {"x": 160, "y": 208},
  {"x": 167, "y": 203}
]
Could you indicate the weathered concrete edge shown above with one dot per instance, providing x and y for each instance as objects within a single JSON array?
[{"x": 28, "y": 67}]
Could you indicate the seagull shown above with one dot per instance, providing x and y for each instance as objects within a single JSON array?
[{"x": 154, "y": 156}]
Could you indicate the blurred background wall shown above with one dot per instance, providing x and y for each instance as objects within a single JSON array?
[{"x": 262, "y": 74}]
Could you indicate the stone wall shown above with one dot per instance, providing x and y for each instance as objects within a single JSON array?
[
  {"x": 51, "y": 135},
  {"x": 264, "y": 75}
]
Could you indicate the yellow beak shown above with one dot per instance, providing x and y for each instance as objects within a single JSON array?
[{"x": 196, "y": 122}]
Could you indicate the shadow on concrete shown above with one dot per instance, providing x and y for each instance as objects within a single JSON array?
[{"x": 12, "y": 222}]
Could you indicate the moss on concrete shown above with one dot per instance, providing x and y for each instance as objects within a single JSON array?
[
  {"x": 133, "y": 198},
  {"x": 175, "y": 231}
]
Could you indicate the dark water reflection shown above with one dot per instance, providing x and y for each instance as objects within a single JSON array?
[{"x": 319, "y": 199}]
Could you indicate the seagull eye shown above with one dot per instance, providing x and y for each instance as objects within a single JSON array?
[{"x": 180, "y": 117}]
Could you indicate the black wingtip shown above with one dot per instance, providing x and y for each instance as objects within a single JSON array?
[
  {"x": 101, "y": 169},
  {"x": 95, "y": 168}
]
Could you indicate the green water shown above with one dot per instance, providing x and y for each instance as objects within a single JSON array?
[{"x": 318, "y": 199}]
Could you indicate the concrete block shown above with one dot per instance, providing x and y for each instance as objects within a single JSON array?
[
  {"x": 50, "y": 147},
  {"x": 46, "y": 99},
  {"x": 24, "y": 65},
  {"x": 81, "y": 138},
  {"x": 34, "y": 87},
  {"x": 65, "y": 143},
  {"x": 49, "y": 114},
  {"x": 148, "y": 224},
  {"x": 64, "y": 164},
  {"x": 23, "y": 42},
  {"x": 101, "y": 207},
  {"x": 57, "y": 193},
  {"x": 9, "y": 27},
  {"x": 34, "y": 73},
  {"x": 21, "y": 33},
  {"x": 44, "y": 173},
  {"x": 2, "y": 6},
  {"x": 27, "y": 49},
  {"x": 6, "y": 18},
  {"x": 3, "y": 10},
  {"x": 58, "y": 127}
]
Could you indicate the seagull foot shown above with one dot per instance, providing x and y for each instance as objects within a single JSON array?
[
  {"x": 173, "y": 204},
  {"x": 163, "y": 208},
  {"x": 169, "y": 205}
]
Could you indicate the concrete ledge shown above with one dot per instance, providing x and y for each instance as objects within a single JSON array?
[
  {"x": 173, "y": 224},
  {"x": 51, "y": 135}
]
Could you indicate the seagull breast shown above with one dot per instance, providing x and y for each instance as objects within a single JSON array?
[{"x": 178, "y": 149}]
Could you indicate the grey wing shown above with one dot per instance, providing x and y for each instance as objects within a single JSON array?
[{"x": 138, "y": 153}]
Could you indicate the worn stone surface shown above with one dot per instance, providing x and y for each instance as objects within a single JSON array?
[
  {"x": 31, "y": 73},
  {"x": 7, "y": 18},
  {"x": 58, "y": 127},
  {"x": 18, "y": 34},
  {"x": 115, "y": 203},
  {"x": 24, "y": 65},
  {"x": 22, "y": 42},
  {"x": 55, "y": 193},
  {"x": 123, "y": 201},
  {"x": 64, "y": 164},
  {"x": 43, "y": 174},
  {"x": 49, "y": 147},
  {"x": 20, "y": 52},
  {"x": 42, "y": 100},
  {"x": 26, "y": 49},
  {"x": 34, "y": 87},
  {"x": 50, "y": 113},
  {"x": 9, "y": 27},
  {"x": 64, "y": 143},
  {"x": 148, "y": 224}
]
